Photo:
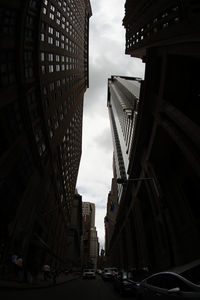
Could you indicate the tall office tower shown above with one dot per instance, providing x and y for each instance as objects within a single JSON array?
[
  {"x": 90, "y": 239},
  {"x": 123, "y": 102},
  {"x": 94, "y": 247},
  {"x": 43, "y": 77},
  {"x": 89, "y": 210},
  {"x": 123, "y": 99},
  {"x": 163, "y": 213}
]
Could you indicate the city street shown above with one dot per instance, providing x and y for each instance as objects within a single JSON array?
[{"x": 74, "y": 290}]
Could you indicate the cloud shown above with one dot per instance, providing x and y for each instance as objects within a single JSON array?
[
  {"x": 106, "y": 57},
  {"x": 104, "y": 140}
]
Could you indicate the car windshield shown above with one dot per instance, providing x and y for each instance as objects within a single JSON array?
[{"x": 107, "y": 270}]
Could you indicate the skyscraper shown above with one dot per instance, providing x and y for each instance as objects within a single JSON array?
[
  {"x": 123, "y": 107},
  {"x": 90, "y": 239},
  {"x": 43, "y": 77},
  {"x": 123, "y": 99}
]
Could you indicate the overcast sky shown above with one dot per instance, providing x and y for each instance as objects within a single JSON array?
[{"x": 106, "y": 57}]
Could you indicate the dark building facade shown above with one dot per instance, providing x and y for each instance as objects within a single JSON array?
[
  {"x": 74, "y": 237},
  {"x": 43, "y": 77},
  {"x": 163, "y": 212},
  {"x": 89, "y": 238}
]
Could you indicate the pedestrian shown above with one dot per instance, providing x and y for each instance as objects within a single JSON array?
[
  {"x": 18, "y": 267},
  {"x": 46, "y": 271}
]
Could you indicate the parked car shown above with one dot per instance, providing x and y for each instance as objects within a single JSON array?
[
  {"x": 166, "y": 285},
  {"x": 115, "y": 271},
  {"x": 89, "y": 273},
  {"x": 99, "y": 271},
  {"x": 108, "y": 273},
  {"x": 123, "y": 282}
]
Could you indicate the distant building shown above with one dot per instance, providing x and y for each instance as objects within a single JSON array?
[
  {"x": 89, "y": 239},
  {"x": 43, "y": 78},
  {"x": 73, "y": 251}
]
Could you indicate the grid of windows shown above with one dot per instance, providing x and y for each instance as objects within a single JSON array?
[
  {"x": 70, "y": 153},
  {"x": 8, "y": 20},
  {"x": 10, "y": 125},
  {"x": 7, "y": 68},
  {"x": 66, "y": 63},
  {"x": 62, "y": 53}
]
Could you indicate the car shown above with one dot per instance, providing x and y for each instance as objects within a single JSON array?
[
  {"x": 89, "y": 273},
  {"x": 123, "y": 282},
  {"x": 114, "y": 271},
  {"x": 167, "y": 285},
  {"x": 108, "y": 273}
]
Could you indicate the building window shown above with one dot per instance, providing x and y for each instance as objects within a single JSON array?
[
  {"x": 43, "y": 26},
  {"x": 57, "y": 67},
  {"x": 29, "y": 72},
  {"x": 51, "y": 16},
  {"x": 42, "y": 56},
  {"x": 50, "y": 40},
  {"x": 50, "y": 56},
  {"x": 42, "y": 37},
  {"x": 51, "y": 86},
  {"x": 7, "y": 68},
  {"x": 44, "y": 90},
  {"x": 43, "y": 69},
  {"x": 44, "y": 10},
  {"x": 52, "y": 8},
  {"x": 29, "y": 20},
  {"x": 51, "y": 30},
  {"x": 28, "y": 33},
  {"x": 50, "y": 68},
  {"x": 7, "y": 21}
]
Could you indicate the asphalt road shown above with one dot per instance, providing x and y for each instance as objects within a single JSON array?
[{"x": 79, "y": 289}]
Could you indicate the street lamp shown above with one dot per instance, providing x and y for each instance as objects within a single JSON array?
[{"x": 123, "y": 181}]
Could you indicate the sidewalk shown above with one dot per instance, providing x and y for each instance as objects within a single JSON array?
[{"x": 40, "y": 283}]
